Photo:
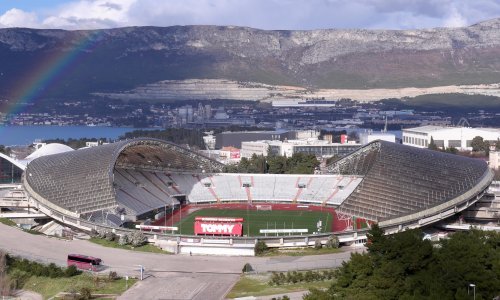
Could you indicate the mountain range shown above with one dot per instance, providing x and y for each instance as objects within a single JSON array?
[{"x": 70, "y": 64}]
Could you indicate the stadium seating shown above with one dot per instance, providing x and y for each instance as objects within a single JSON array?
[
  {"x": 316, "y": 189},
  {"x": 398, "y": 182},
  {"x": 136, "y": 192}
]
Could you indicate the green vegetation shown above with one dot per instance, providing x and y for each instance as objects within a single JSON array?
[
  {"x": 254, "y": 220},
  {"x": 114, "y": 244},
  {"x": 49, "y": 287},
  {"x": 8, "y": 222},
  {"x": 299, "y": 163},
  {"x": 260, "y": 247},
  {"x": 478, "y": 144},
  {"x": 281, "y": 278},
  {"x": 404, "y": 266},
  {"x": 49, "y": 280},
  {"x": 257, "y": 285}
]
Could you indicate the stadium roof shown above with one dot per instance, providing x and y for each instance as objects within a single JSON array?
[
  {"x": 401, "y": 180},
  {"x": 49, "y": 149},
  {"x": 82, "y": 181}
]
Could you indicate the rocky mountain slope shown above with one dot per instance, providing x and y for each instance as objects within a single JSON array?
[{"x": 78, "y": 63}]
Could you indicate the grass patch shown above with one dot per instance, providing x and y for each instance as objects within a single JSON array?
[
  {"x": 257, "y": 285},
  {"x": 49, "y": 287},
  {"x": 254, "y": 220},
  {"x": 300, "y": 251},
  {"x": 113, "y": 244},
  {"x": 8, "y": 222}
]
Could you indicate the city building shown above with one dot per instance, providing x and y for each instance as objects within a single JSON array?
[
  {"x": 370, "y": 136},
  {"x": 229, "y": 155},
  {"x": 320, "y": 148},
  {"x": 446, "y": 137}
]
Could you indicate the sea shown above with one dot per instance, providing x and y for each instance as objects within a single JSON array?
[{"x": 26, "y": 135}]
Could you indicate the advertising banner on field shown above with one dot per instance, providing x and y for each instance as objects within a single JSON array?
[{"x": 213, "y": 228}]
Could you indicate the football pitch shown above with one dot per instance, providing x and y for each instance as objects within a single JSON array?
[{"x": 254, "y": 220}]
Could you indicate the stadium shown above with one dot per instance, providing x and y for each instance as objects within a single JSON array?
[{"x": 194, "y": 207}]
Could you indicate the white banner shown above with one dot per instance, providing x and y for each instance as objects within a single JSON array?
[
  {"x": 151, "y": 227},
  {"x": 284, "y": 230}
]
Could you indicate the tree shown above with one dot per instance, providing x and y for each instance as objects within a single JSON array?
[
  {"x": 451, "y": 150},
  {"x": 477, "y": 144},
  {"x": 376, "y": 239},
  {"x": 277, "y": 164},
  {"x": 260, "y": 247},
  {"x": 404, "y": 266},
  {"x": 432, "y": 145}
]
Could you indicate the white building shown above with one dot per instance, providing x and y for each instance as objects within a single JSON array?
[
  {"x": 320, "y": 148},
  {"x": 446, "y": 137},
  {"x": 258, "y": 147},
  {"x": 370, "y": 136}
]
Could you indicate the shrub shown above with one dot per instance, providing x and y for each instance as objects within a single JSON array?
[
  {"x": 275, "y": 279},
  {"x": 71, "y": 271},
  {"x": 18, "y": 278},
  {"x": 110, "y": 236},
  {"x": 317, "y": 244},
  {"x": 54, "y": 271},
  {"x": 112, "y": 275},
  {"x": 247, "y": 268},
  {"x": 333, "y": 242},
  {"x": 85, "y": 293},
  {"x": 137, "y": 238},
  {"x": 123, "y": 240},
  {"x": 260, "y": 247}
]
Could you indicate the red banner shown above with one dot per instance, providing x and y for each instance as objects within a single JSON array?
[
  {"x": 217, "y": 219},
  {"x": 235, "y": 229}
]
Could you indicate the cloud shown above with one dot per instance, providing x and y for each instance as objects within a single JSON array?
[
  {"x": 455, "y": 19},
  {"x": 18, "y": 18},
  {"x": 89, "y": 14},
  {"x": 265, "y": 14}
]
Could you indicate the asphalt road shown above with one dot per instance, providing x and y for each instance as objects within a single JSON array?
[{"x": 168, "y": 276}]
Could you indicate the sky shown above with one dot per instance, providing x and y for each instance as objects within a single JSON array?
[{"x": 263, "y": 14}]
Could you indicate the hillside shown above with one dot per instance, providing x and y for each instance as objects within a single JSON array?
[{"x": 65, "y": 64}]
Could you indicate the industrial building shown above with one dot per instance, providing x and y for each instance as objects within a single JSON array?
[{"x": 447, "y": 137}]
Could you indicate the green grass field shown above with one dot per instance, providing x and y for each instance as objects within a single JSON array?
[{"x": 256, "y": 220}]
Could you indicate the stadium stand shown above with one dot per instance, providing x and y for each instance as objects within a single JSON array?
[
  {"x": 110, "y": 177},
  {"x": 400, "y": 180}
]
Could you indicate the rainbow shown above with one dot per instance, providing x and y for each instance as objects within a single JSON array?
[{"x": 51, "y": 69}]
